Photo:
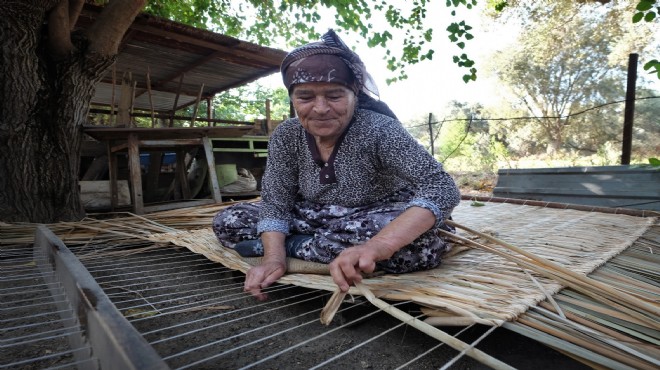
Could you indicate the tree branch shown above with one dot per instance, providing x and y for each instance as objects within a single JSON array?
[
  {"x": 75, "y": 7},
  {"x": 106, "y": 33},
  {"x": 59, "y": 31}
]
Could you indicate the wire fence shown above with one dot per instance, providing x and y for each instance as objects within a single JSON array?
[{"x": 434, "y": 131}]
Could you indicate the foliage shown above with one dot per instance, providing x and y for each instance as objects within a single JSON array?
[
  {"x": 647, "y": 12},
  {"x": 458, "y": 31},
  {"x": 247, "y": 103},
  {"x": 561, "y": 67},
  {"x": 293, "y": 22}
]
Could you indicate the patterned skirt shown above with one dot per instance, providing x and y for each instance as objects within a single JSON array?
[{"x": 335, "y": 228}]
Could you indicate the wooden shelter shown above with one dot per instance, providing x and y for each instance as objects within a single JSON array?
[
  {"x": 172, "y": 65},
  {"x": 163, "y": 67}
]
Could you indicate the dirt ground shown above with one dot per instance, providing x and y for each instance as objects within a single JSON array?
[
  {"x": 475, "y": 183},
  {"x": 354, "y": 325},
  {"x": 227, "y": 323}
]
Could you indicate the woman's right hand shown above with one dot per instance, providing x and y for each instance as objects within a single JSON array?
[
  {"x": 263, "y": 276},
  {"x": 272, "y": 267}
]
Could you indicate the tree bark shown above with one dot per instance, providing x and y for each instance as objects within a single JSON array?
[{"x": 44, "y": 103}]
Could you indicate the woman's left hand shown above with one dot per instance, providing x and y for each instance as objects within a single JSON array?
[{"x": 349, "y": 266}]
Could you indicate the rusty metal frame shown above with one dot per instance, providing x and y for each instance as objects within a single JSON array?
[{"x": 115, "y": 343}]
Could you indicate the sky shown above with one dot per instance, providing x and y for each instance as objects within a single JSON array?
[{"x": 431, "y": 84}]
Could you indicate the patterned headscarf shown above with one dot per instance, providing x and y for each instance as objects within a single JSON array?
[
  {"x": 330, "y": 60},
  {"x": 327, "y": 61}
]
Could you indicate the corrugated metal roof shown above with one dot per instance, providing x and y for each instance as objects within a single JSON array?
[{"x": 167, "y": 50}]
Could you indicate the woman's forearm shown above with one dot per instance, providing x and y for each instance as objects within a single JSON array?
[
  {"x": 402, "y": 231},
  {"x": 273, "y": 242}
]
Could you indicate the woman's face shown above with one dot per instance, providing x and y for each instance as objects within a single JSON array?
[{"x": 324, "y": 109}]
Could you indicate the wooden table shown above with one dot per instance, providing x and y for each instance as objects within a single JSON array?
[{"x": 118, "y": 139}]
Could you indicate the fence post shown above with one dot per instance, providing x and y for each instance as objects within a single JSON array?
[{"x": 629, "y": 111}]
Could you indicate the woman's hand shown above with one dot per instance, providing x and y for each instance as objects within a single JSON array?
[
  {"x": 348, "y": 267},
  {"x": 263, "y": 276},
  {"x": 272, "y": 267},
  {"x": 351, "y": 263}
]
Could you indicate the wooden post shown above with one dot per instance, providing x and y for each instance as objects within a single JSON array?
[
  {"x": 131, "y": 121},
  {"x": 629, "y": 110},
  {"x": 181, "y": 175},
  {"x": 112, "y": 175},
  {"x": 151, "y": 101},
  {"x": 213, "y": 176},
  {"x": 124, "y": 106},
  {"x": 176, "y": 100},
  {"x": 208, "y": 111},
  {"x": 112, "y": 98},
  {"x": 136, "y": 174},
  {"x": 199, "y": 97}
]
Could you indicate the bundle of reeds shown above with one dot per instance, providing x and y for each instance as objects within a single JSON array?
[
  {"x": 521, "y": 256},
  {"x": 508, "y": 262}
]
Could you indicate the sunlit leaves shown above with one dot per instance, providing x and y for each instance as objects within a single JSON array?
[
  {"x": 294, "y": 22},
  {"x": 458, "y": 34},
  {"x": 379, "y": 39},
  {"x": 653, "y": 67},
  {"x": 498, "y": 5},
  {"x": 468, "y": 3},
  {"x": 646, "y": 10}
]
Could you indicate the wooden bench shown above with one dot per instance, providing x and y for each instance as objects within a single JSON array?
[{"x": 636, "y": 186}]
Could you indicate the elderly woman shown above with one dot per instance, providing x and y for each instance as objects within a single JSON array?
[{"x": 345, "y": 184}]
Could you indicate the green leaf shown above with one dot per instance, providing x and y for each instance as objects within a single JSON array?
[
  {"x": 654, "y": 162},
  {"x": 637, "y": 17},
  {"x": 475, "y": 203},
  {"x": 460, "y": 45},
  {"x": 649, "y": 17},
  {"x": 644, "y": 5},
  {"x": 650, "y": 64}
]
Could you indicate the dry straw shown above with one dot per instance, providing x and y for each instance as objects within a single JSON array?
[
  {"x": 507, "y": 260},
  {"x": 517, "y": 257}
]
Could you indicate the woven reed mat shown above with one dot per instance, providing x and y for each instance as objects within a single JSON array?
[{"x": 474, "y": 283}]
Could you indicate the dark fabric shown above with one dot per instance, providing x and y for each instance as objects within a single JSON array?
[
  {"x": 376, "y": 158},
  {"x": 320, "y": 68},
  {"x": 327, "y": 173},
  {"x": 293, "y": 244},
  {"x": 321, "y": 232},
  {"x": 367, "y": 102},
  {"x": 332, "y": 45}
]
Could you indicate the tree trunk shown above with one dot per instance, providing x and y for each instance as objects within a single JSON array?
[{"x": 43, "y": 105}]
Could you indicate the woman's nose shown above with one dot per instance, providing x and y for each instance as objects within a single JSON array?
[{"x": 321, "y": 105}]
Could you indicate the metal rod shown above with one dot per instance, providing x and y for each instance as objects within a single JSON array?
[{"x": 629, "y": 110}]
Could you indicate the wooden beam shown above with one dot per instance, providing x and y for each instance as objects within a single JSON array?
[
  {"x": 136, "y": 174},
  {"x": 112, "y": 176},
  {"x": 199, "y": 97},
  {"x": 151, "y": 101},
  {"x": 213, "y": 176},
  {"x": 181, "y": 173},
  {"x": 234, "y": 51},
  {"x": 176, "y": 101}
]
